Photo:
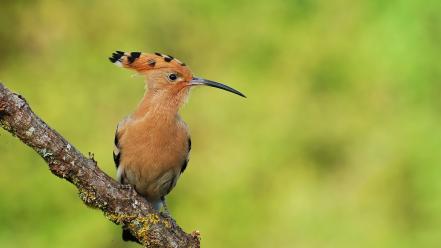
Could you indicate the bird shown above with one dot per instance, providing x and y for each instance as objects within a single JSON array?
[{"x": 152, "y": 144}]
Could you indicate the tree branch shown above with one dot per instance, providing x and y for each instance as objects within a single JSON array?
[{"x": 120, "y": 204}]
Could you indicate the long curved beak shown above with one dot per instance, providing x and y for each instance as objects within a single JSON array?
[{"x": 200, "y": 81}]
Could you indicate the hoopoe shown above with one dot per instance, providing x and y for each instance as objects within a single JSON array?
[{"x": 152, "y": 145}]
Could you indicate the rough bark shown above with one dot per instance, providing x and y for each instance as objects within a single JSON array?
[{"x": 120, "y": 204}]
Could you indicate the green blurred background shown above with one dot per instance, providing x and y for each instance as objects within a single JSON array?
[{"x": 337, "y": 144}]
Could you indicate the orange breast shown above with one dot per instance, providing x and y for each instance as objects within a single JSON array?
[{"x": 152, "y": 153}]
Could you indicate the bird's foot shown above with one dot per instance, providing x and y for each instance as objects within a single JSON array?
[
  {"x": 126, "y": 187},
  {"x": 92, "y": 156},
  {"x": 196, "y": 234},
  {"x": 165, "y": 212}
]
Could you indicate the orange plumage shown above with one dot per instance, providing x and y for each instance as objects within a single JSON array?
[{"x": 152, "y": 145}]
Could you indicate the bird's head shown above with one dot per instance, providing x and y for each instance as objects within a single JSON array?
[{"x": 164, "y": 73}]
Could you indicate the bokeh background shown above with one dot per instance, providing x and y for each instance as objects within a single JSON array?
[{"x": 337, "y": 145}]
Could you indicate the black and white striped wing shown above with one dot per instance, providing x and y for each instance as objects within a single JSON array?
[
  {"x": 117, "y": 150},
  {"x": 185, "y": 163}
]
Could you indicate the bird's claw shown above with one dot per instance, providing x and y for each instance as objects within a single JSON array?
[
  {"x": 92, "y": 156},
  {"x": 196, "y": 234},
  {"x": 165, "y": 214},
  {"x": 126, "y": 186}
]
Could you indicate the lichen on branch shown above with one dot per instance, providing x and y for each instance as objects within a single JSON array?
[{"x": 120, "y": 204}]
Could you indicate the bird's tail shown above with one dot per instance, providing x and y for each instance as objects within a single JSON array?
[
  {"x": 140, "y": 62},
  {"x": 127, "y": 236}
]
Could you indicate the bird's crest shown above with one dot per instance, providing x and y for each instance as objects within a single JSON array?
[
  {"x": 142, "y": 62},
  {"x": 174, "y": 72}
]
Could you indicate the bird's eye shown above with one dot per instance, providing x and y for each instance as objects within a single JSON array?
[{"x": 172, "y": 76}]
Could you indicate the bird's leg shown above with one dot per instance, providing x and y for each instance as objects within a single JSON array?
[
  {"x": 164, "y": 207},
  {"x": 126, "y": 186}
]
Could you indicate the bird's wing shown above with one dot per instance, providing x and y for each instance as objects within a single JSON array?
[
  {"x": 117, "y": 149},
  {"x": 185, "y": 163}
]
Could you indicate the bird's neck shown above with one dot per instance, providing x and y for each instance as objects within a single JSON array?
[{"x": 160, "y": 105}]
